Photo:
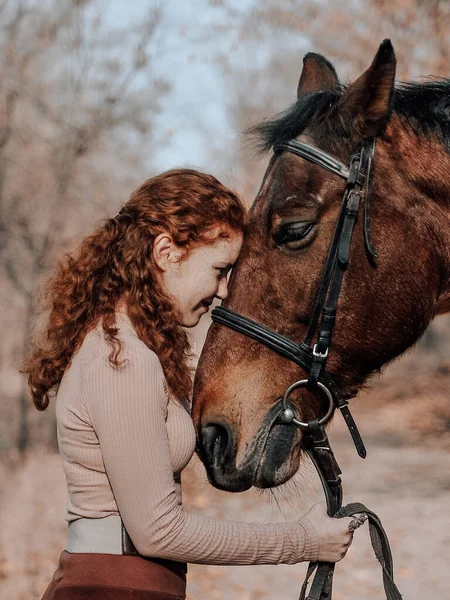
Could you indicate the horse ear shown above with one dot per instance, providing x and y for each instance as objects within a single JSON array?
[
  {"x": 368, "y": 100},
  {"x": 317, "y": 74}
]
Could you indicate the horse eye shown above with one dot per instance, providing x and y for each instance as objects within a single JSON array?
[{"x": 293, "y": 235}]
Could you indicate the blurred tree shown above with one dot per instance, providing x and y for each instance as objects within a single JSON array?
[
  {"x": 70, "y": 89},
  {"x": 350, "y": 31},
  {"x": 277, "y": 33}
]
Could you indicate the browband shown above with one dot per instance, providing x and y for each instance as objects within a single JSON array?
[{"x": 314, "y": 155}]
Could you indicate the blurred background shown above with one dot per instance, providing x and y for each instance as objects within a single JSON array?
[{"x": 98, "y": 95}]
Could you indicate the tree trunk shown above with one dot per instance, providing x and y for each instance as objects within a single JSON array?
[{"x": 23, "y": 437}]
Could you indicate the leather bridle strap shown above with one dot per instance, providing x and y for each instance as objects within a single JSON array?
[
  {"x": 356, "y": 175},
  {"x": 380, "y": 545},
  {"x": 277, "y": 342},
  {"x": 318, "y": 448},
  {"x": 312, "y": 358},
  {"x": 322, "y": 584}
]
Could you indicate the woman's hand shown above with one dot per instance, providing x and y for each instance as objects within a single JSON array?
[{"x": 333, "y": 534}]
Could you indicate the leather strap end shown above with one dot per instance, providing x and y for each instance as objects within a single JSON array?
[{"x": 354, "y": 432}]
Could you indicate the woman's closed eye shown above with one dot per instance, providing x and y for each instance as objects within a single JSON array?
[{"x": 222, "y": 272}]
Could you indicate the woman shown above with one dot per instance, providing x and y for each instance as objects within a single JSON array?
[{"x": 117, "y": 356}]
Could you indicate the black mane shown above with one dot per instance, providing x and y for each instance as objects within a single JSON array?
[{"x": 424, "y": 106}]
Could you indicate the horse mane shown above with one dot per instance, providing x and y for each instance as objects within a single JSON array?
[{"x": 423, "y": 106}]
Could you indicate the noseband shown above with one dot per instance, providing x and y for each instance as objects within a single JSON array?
[{"x": 312, "y": 356}]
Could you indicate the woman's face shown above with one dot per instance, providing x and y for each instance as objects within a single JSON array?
[{"x": 195, "y": 278}]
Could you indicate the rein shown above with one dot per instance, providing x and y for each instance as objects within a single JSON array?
[{"x": 312, "y": 357}]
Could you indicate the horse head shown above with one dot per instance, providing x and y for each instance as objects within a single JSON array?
[{"x": 383, "y": 308}]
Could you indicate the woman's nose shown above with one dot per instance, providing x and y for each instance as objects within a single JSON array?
[{"x": 222, "y": 292}]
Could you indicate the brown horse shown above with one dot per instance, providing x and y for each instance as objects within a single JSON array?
[{"x": 383, "y": 308}]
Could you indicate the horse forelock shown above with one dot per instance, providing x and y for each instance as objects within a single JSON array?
[{"x": 315, "y": 106}]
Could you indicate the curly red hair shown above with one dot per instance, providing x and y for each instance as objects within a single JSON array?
[{"x": 114, "y": 264}]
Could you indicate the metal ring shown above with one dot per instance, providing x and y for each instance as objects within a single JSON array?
[{"x": 304, "y": 383}]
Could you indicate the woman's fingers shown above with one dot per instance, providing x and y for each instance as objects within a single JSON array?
[
  {"x": 357, "y": 521},
  {"x": 335, "y": 535}
]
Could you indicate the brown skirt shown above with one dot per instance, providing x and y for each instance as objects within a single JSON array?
[{"x": 116, "y": 577}]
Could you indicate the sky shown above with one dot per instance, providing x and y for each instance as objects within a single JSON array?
[{"x": 194, "y": 117}]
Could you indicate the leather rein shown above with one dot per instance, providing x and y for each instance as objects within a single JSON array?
[{"x": 312, "y": 356}]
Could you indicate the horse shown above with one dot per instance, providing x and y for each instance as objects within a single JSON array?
[{"x": 395, "y": 281}]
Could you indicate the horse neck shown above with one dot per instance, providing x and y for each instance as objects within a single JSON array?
[
  {"x": 437, "y": 170},
  {"x": 443, "y": 303},
  {"x": 423, "y": 168}
]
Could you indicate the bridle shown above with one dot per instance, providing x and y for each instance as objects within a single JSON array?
[{"x": 312, "y": 356}]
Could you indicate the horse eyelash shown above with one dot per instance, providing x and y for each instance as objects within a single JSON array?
[{"x": 291, "y": 234}]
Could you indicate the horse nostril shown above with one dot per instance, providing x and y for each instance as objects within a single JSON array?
[{"x": 215, "y": 443}]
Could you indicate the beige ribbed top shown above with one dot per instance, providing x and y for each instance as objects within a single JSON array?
[{"x": 124, "y": 442}]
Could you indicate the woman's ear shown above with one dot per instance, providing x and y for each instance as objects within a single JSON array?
[{"x": 165, "y": 252}]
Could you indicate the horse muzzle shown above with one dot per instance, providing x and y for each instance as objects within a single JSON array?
[{"x": 269, "y": 459}]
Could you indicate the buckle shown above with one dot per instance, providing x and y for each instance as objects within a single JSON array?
[{"x": 318, "y": 354}]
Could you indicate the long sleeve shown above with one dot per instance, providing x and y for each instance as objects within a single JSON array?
[{"x": 128, "y": 409}]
